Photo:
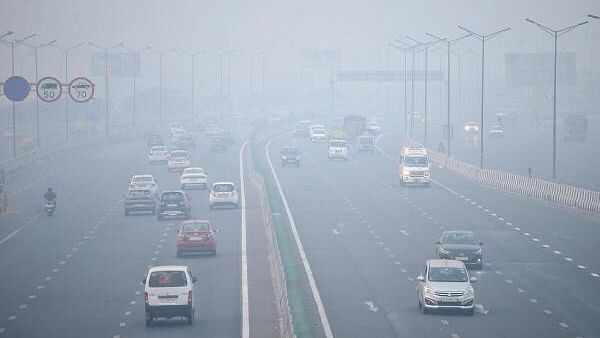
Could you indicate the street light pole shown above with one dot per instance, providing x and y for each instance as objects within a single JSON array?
[
  {"x": 106, "y": 91},
  {"x": 160, "y": 81},
  {"x": 133, "y": 103},
  {"x": 555, "y": 34},
  {"x": 449, "y": 43},
  {"x": 14, "y": 113},
  {"x": 483, "y": 39},
  {"x": 404, "y": 51}
]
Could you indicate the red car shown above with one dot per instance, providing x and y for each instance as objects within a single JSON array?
[{"x": 196, "y": 236}]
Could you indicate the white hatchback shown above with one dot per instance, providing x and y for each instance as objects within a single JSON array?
[
  {"x": 158, "y": 154},
  {"x": 143, "y": 182},
  {"x": 223, "y": 193},
  {"x": 179, "y": 160},
  {"x": 169, "y": 293}
]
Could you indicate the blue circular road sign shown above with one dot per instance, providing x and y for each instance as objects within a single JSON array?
[{"x": 16, "y": 88}]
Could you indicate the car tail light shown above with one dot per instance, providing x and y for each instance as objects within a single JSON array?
[
  {"x": 184, "y": 238},
  {"x": 146, "y": 297},
  {"x": 190, "y": 297}
]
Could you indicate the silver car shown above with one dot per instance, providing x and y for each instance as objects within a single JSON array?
[{"x": 445, "y": 284}]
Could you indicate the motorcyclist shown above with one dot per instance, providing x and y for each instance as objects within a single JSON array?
[{"x": 50, "y": 196}]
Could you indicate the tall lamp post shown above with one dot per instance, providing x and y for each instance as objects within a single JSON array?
[
  {"x": 12, "y": 58},
  {"x": 483, "y": 39},
  {"x": 192, "y": 55},
  {"x": 133, "y": 98},
  {"x": 411, "y": 48},
  {"x": 425, "y": 46},
  {"x": 555, "y": 34},
  {"x": 404, "y": 51},
  {"x": 67, "y": 50},
  {"x": 36, "y": 49},
  {"x": 106, "y": 72},
  {"x": 448, "y": 43},
  {"x": 160, "y": 81}
]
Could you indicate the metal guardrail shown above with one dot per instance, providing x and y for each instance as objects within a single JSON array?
[{"x": 579, "y": 198}]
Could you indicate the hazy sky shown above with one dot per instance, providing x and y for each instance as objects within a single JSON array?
[{"x": 360, "y": 29}]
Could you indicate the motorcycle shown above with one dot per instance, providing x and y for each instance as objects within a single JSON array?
[{"x": 49, "y": 207}]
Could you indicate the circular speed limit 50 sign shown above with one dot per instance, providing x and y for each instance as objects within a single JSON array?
[
  {"x": 81, "y": 89},
  {"x": 48, "y": 89}
]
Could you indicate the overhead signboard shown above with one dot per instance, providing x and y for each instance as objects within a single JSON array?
[
  {"x": 537, "y": 69},
  {"x": 322, "y": 58},
  {"x": 16, "y": 88},
  {"x": 48, "y": 89},
  {"x": 384, "y": 76},
  {"x": 115, "y": 64},
  {"x": 81, "y": 89}
]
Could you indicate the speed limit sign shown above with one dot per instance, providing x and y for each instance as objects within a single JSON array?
[
  {"x": 81, "y": 89},
  {"x": 48, "y": 89}
]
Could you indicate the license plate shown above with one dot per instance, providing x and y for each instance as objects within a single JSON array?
[
  {"x": 172, "y": 205},
  {"x": 447, "y": 299},
  {"x": 200, "y": 238},
  {"x": 168, "y": 300},
  {"x": 462, "y": 258}
]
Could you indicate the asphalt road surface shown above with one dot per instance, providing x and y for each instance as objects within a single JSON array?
[{"x": 366, "y": 237}]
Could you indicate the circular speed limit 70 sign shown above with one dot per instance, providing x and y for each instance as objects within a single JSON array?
[
  {"x": 48, "y": 89},
  {"x": 81, "y": 89}
]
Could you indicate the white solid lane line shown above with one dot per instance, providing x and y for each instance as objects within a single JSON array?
[
  {"x": 245, "y": 301},
  {"x": 309, "y": 274}
]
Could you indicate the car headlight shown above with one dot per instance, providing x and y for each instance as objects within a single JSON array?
[
  {"x": 284, "y": 157},
  {"x": 469, "y": 291},
  {"x": 405, "y": 172},
  {"x": 428, "y": 291},
  {"x": 444, "y": 251},
  {"x": 426, "y": 173}
]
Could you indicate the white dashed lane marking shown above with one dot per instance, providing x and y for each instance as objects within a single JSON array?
[{"x": 563, "y": 325}]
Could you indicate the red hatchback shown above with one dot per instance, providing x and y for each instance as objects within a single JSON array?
[{"x": 196, "y": 236}]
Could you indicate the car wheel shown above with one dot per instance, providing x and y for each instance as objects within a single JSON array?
[
  {"x": 211, "y": 207},
  {"x": 214, "y": 252},
  {"x": 235, "y": 206},
  {"x": 149, "y": 320},
  {"x": 126, "y": 212},
  {"x": 178, "y": 254},
  {"x": 471, "y": 311},
  {"x": 190, "y": 317},
  {"x": 188, "y": 216}
]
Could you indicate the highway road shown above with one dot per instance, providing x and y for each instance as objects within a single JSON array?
[
  {"x": 78, "y": 273},
  {"x": 365, "y": 238}
]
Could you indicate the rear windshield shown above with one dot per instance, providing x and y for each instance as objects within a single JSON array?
[
  {"x": 178, "y": 154},
  {"x": 167, "y": 279},
  {"x": 290, "y": 151},
  {"x": 337, "y": 144},
  {"x": 139, "y": 194},
  {"x": 159, "y": 149},
  {"x": 196, "y": 176},
  {"x": 198, "y": 226},
  {"x": 142, "y": 179},
  {"x": 172, "y": 197},
  {"x": 223, "y": 188},
  {"x": 459, "y": 238}
]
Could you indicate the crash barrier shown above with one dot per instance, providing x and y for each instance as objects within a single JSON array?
[
  {"x": 279, "y": 284},
  {"x": 14, "y": 164},
  {"x": 582, "y": 199}
]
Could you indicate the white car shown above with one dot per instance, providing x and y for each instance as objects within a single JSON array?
[
  {"x": 471, "y": 127},
  {"x": 169, "y": 293},
  {"x": 374, "y": 127},
  {"x": 158, "y": 154},
  {"x": 143, "y": 182},
  {"x": 179, "y": 160},
  {"x": 194, "y": 170},
  {"x": 223, "y": 193},
  {"x": 497, "y": 131},
  {"x": 445, "y": 284},
  {"x": 318, "y": 134},
  {"x": 338, "y": 149},
  {"x": 193, "y": 180}
]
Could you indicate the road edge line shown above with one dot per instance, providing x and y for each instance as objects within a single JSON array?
[
  {"x": 309, "y": 274},
  {"x": 244, "y": 253}
]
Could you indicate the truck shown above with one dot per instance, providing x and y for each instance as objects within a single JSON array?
[
  {"x": 355, "y": 125},
  {"x": 338, "y": 149},
  {"x": 575, "y": 128},
  {"x": 414, "y": 167},
  {"x": 366, "y": 142}
]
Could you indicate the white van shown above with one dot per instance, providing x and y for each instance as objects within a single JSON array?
[
  {"x": 413, "y": 166},
  {"x": 338, "y": 149},
  {"x": 169, "y": 293}
]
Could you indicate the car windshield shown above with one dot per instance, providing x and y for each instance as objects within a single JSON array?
[
  {"x": 172, "y": 197},
  {"x": 223, "y": 188},
  {"x": 290, "y": 151},
  {"x": 196, "y": 226},
  {"x": 194, "y": 171},
  {"x": 458, "y": 238},
  {"x": 447, "y": 274},
  {"x": 416, "y": 161},
  {"x": 337, "y": 144},
  {"x": 195, "y": 176},
  {"x": 167, "y": 279}
]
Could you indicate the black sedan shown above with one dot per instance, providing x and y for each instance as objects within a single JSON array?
[{"x": 462, "y": 246}]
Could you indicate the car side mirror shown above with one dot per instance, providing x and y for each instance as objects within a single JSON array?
[
  {"x": 480, "y": 243},
  {"x": 472, "y": 279},
  {"x": 438, "y": 242},
  {"x": 421, "y": 278},
  {"x": 194, "y": 279},
  {"x": 217, "y": 230},
  {"x": 144, "y": 281}
]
